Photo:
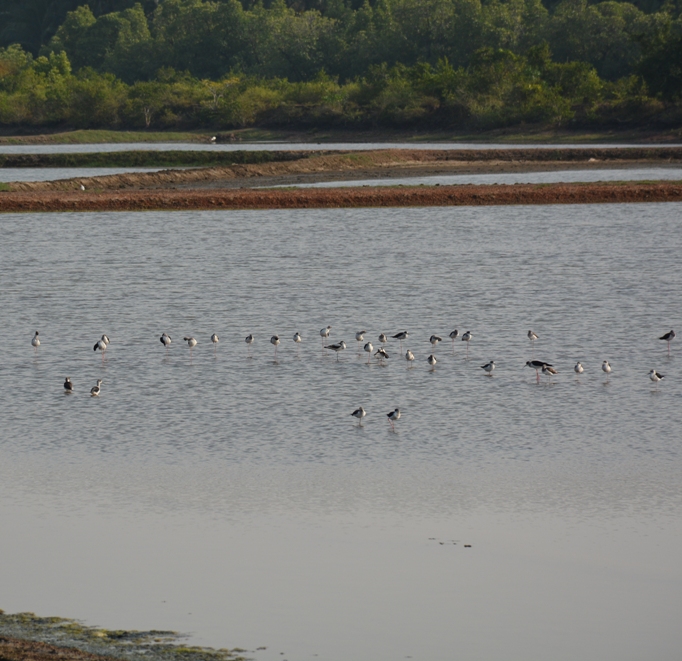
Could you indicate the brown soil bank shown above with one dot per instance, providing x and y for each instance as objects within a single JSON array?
[
  {"x": 13, "y": 649},
  {"x": 394, "y": 162},
  {"x": 341, "y": 197}
]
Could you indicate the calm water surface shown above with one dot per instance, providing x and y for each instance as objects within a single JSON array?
[
  {"x": 288, "y": 146},
  {"x": 235, "y": 498}
]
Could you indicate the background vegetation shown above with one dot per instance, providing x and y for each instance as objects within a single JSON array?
[{"x": 455, "y": 64}]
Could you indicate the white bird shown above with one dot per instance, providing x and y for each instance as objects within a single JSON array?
[
  {"x": 489, "y": 367},
  {"x": 359, "y": 413},
  {"x": 578, "y": 369},
  {"x": 191, "y": 343},
  {"x": 409, "y": 357},
  {"x": 434, "y": 339},
  {"x": 668, "y": 337},
  {"x": 35, "y": 342},
  {"x": 297, "y": 338},
  {"x": 95, "y": 390},
  {"x": 249, "y": 341},
  {"x": 101, "y": 344},
  {"x": 431, "y": 360},
  {"x": 165, "y": 339},
  {"x": 382, "y": 338},
  {"x": 368, "y": 348},
  {"x": 105, "y": 339},
  {"x": 360, "y": 335},
  {"x": 275, "y": 340},
  {"x": 215, "y": 339},
  {"x": 337, "y": 348},
  {"x": 382, "y": 353},
  {"x": 212, "y": 139},
  {"x": 68, "y": 386},
  {"x": 393, "y": 416},
  {"x": 324, "y": 333},
  {"x": 403, "y": 335},
  {"x": 655, "y": 376},
  {"x": 532, "y": 336},
  {"x": 537, "y": 365},
  {"x": 82, "y": 187},
  {"x": 606, "y": 367}
]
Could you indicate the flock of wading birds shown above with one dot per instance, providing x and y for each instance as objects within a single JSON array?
[{"x": 538, "y": 365}]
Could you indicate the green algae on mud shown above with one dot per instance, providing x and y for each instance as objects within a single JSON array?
[{"x": 153, "y": 645}]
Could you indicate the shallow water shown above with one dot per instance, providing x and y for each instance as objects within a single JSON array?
[
  {"x": 236, "y": 499},
  {"x": 53, "y": 174},
  {"x": 289, "y": 146},
  {"x": 508, "y": 178}
]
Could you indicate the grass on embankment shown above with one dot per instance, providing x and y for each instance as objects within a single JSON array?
[{"x": 151, "y": 159}]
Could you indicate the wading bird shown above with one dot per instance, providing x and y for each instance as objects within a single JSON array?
[
  {"x": 489, "y": 367},
  {"x": 655, "y": 377},
  {"x": 368, "y": 348},
  {"x": 668, "y": 337},
  {"x": 249, "y": 341},
  {"x": 35, "y": 342},
  {"x": 191, "y": 343},
  {"x": 275, "y": 341},
  {"x": 393, "y": 416},
  {"x": 409, "y": 357},
  {"x": 165, "y": 339},
  {"x": 215, "y": 339},
  {"x": 95, "y": 390},
  {"x": 68, "y": 386},
  {"x": 606, "y": 368},
  {"x": 337, "y": 348},
  {"x": 431, "y": 360},
  {"x": 359, "y": 413},
  {"x": 537, "y": 365}
]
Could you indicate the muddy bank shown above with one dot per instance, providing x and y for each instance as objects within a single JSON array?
[
  {"x": 318, "y": 166},
  {"x": 469, "y": 195},
  {"x": 14, "y": 649}
]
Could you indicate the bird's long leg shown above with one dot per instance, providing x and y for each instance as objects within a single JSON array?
[
  {"x": 537, "y": 375},
  {"x": 390, "y": 422}
]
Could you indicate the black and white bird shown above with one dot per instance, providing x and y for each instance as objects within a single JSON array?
[
  {"x": 368, "y": 348},
  {"x": 403, "y": 335},
  {"x": 95, "y": 390},
  {"x": 337, "y": 348},
  {"x": 249, "y": 341},
  {"x": 578, "y": 368},
  {"x": 434, "y": 339},
  {"x": 431, "y": 360},
  {"x": 467, "y": 338},
  {"x": 409, "y": 357},
  {"x": 324, "y": 333},
  {"x": 359, "y": 338},
  {"x": 453, "y": 335},
  {"x": 165, "y": 339},
  {"x": 393, "y": 416},
  {"x": 537, "y": 365},
  {"x": 68, "y": 386},
  {"x": 549, "y": 371},
  {"x": 382, "y": 353},
  {"x": 359, "y": 413},
  {"x": 532, "y": 336},
  {"x": 274, "y": 340},
  {"x": 489, "y": 367},
  {"x": 606, "y": 367},
  {"x": 668, "y": 337},
  {"x": 191, "y": 343},
  {"x": 102, "y": 345},
  {"x": 35, "y": 342},
  {"x": 655, "y": 376},
  {"x": 215, "y": 339},
  {"x": 382, "y": 338},
  {"x": 298, "y": 338}
]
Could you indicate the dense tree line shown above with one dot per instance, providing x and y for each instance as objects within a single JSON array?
[{"x": 226, "y": 63}]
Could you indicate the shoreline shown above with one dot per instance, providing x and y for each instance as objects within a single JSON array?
[{"x": 330, "y": 198}]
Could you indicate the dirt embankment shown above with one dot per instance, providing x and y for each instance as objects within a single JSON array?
[
  {"x": 340, "y": 197},
  {"x": 13, "y": 649},
  {"x": 360, "y": 165}
]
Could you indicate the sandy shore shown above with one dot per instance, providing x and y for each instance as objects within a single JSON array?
[{"x": 341, "y": 197}]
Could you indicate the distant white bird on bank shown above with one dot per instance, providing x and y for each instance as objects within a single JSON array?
[
  {"x": 359, "y": 413},
  {"x": 337, "y": 348},
  {"x": 82, "y": 187},
  {"x": 95, "y": 390},
  {"x": 656, "y": 376},
  {"x": 35, "y": 342},
  {"x": 368, "y": 348},
  {"x": 489, "y": 367},
  {"x": 213, "y": 138},
  {"x": 393, "y": 416}
]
